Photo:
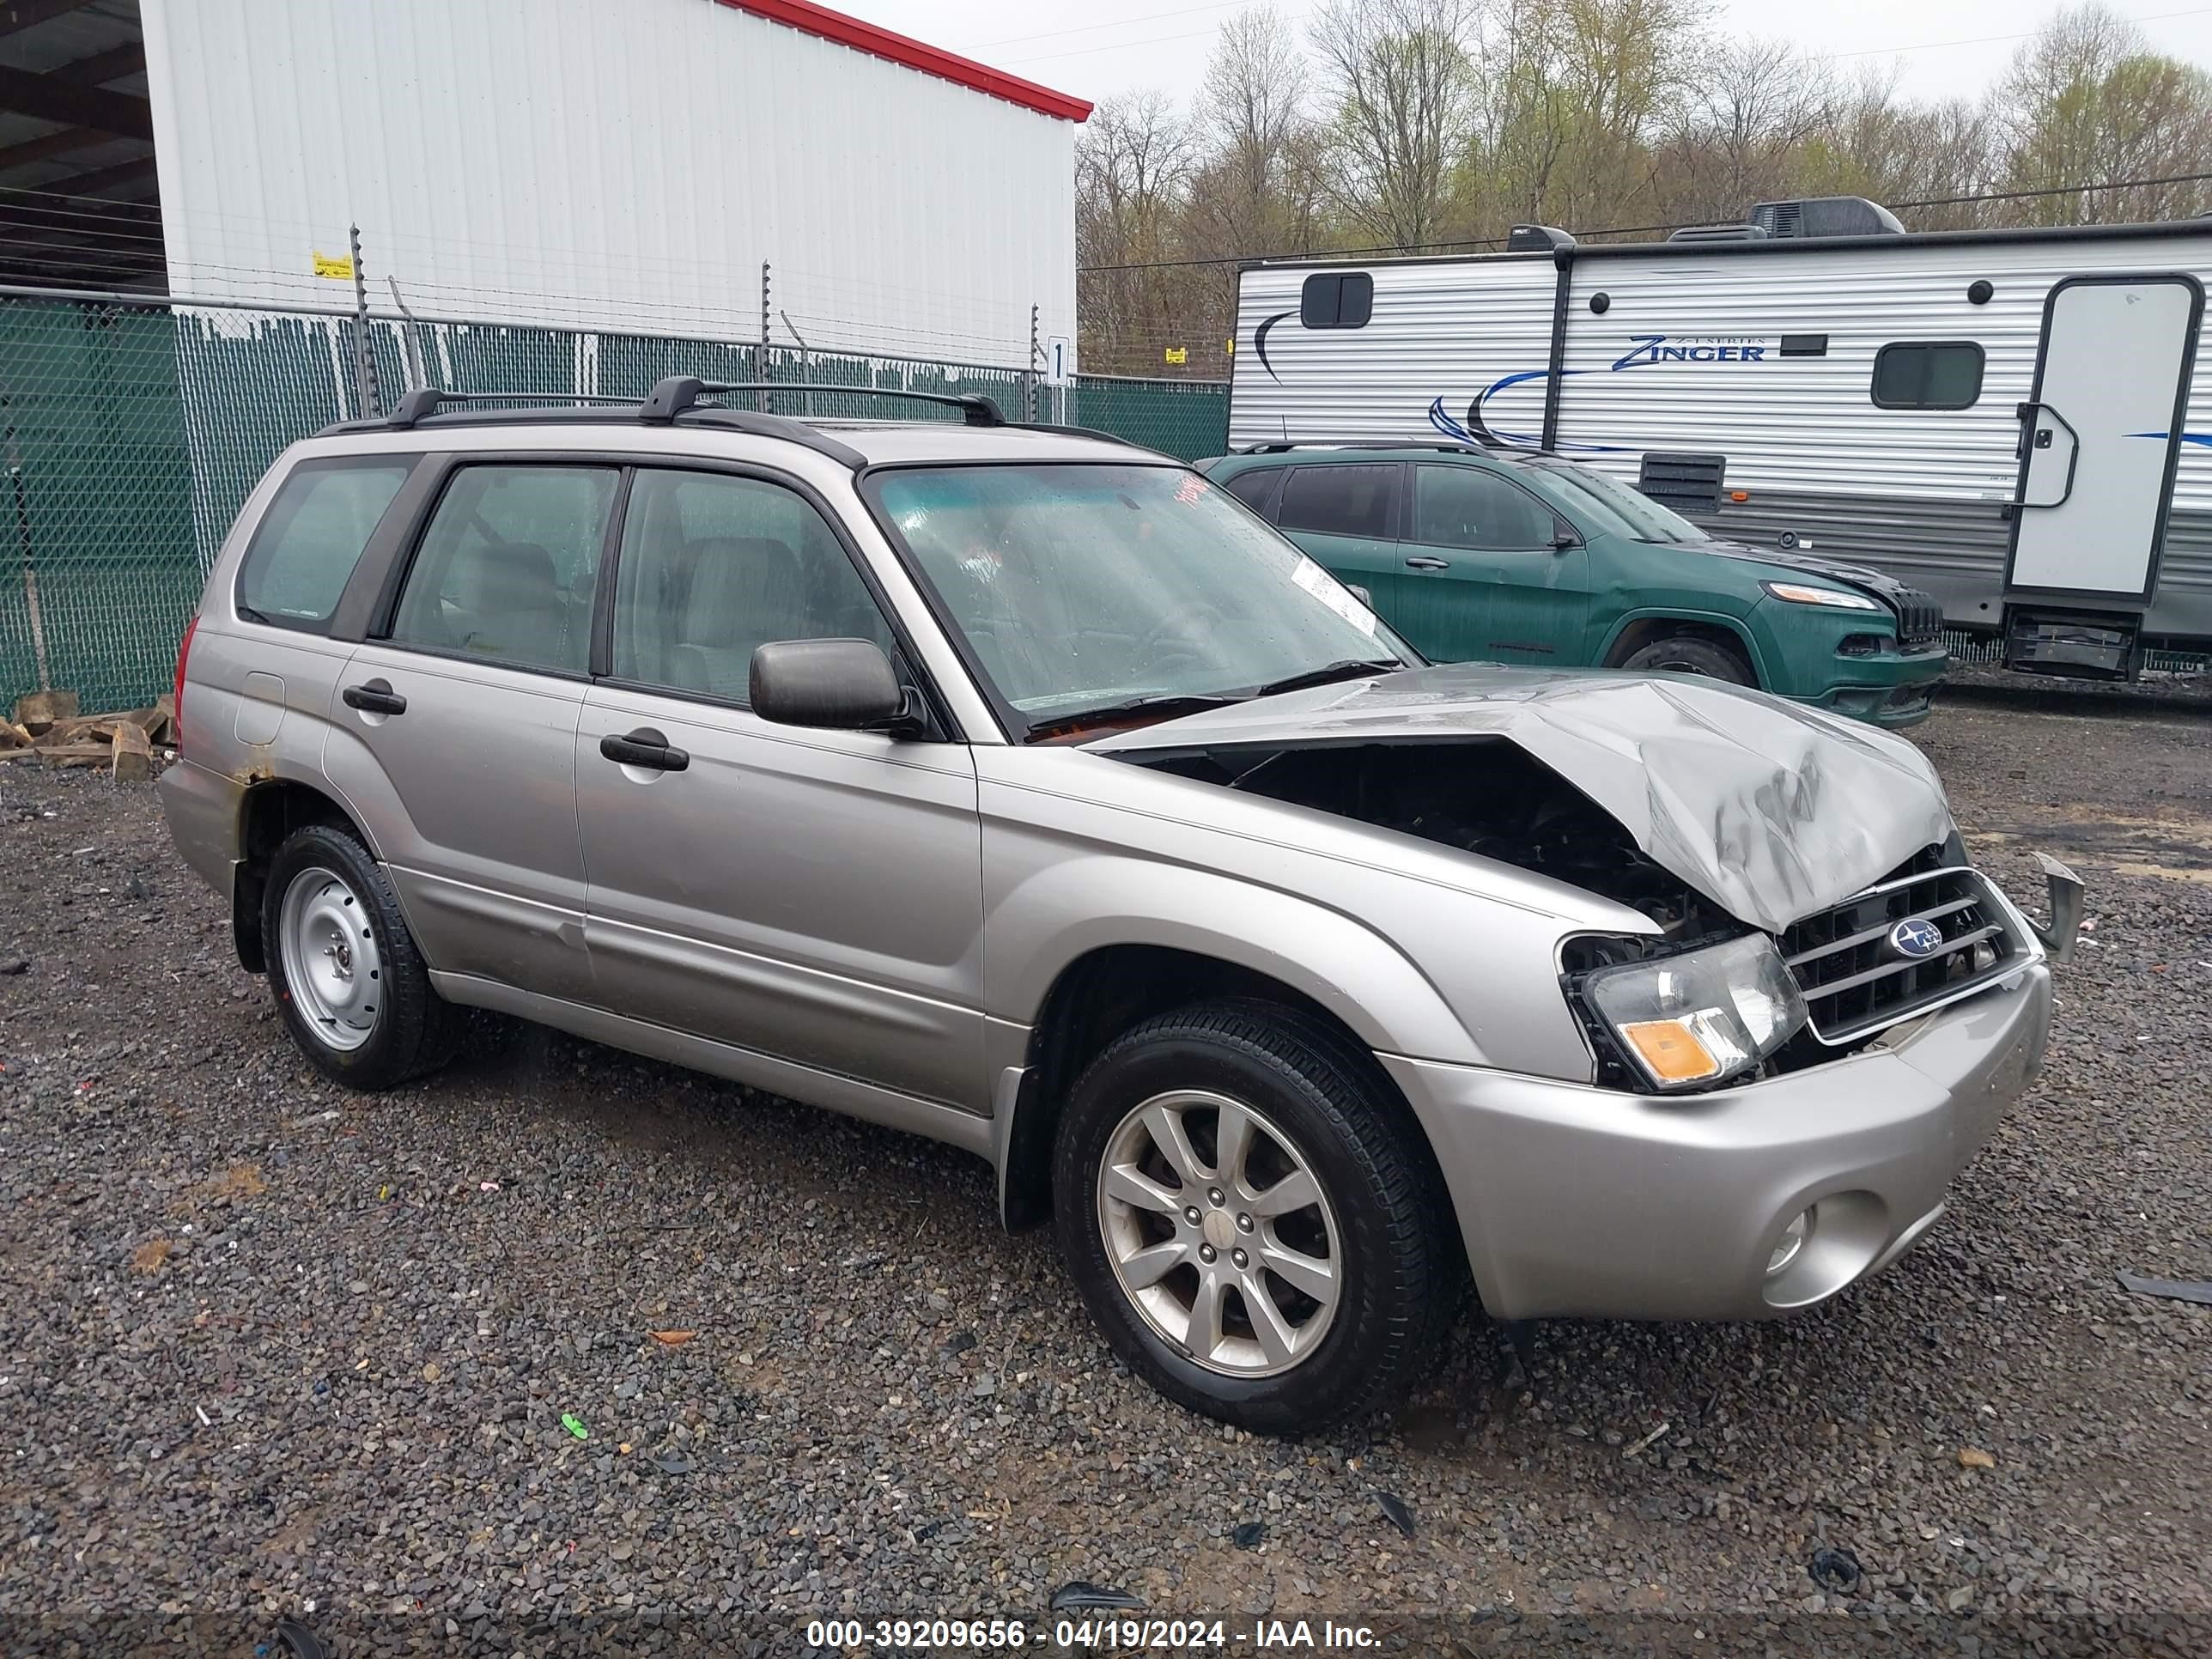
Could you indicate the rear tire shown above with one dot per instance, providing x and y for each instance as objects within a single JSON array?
[
  {"x": 1199, "y": 1308},
  {"x": 1693, "y": 653},
  {"x": 346, "y": 973}
]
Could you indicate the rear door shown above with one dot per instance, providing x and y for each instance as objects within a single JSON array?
[
  {"x": 455, "y": 734},
  {"x": 2102, "y": 434},
  {"x": 1488, "y": 580},
  {"x": 1346, "y": 516},
  {"x": 813, "y": 896}
]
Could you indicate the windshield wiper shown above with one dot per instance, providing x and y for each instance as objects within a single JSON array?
[
  {"x": 1350, "y": 668},
  {"x": 1165, "y": 706}
]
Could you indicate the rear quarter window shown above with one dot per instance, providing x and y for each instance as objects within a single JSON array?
[{"x": 307, "y": 544}]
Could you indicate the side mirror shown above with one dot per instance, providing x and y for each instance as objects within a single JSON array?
[
  {"x": 842, "y": 684},
  {"x": 1360, "y": 594},
  {"x": 1565, "y": 540}
]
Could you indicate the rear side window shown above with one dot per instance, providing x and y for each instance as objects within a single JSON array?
[
  {"x": 1467, "y": 506},
  {"x": 1342, "y": 500},
  {"x": 304, "y": 550},
  {"x": 1334, "y": 298},
  {"x": 1929, "y": 375},
  {"x": 1257, "y": 488},
  {"x": 508, "y": 566}
]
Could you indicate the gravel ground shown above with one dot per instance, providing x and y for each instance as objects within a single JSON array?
[{"x": 269, "y": 1348}]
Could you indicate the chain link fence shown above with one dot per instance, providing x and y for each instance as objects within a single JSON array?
[
  {"x": 133, "y": 432},
  {"x": 1188, "y": 419}
]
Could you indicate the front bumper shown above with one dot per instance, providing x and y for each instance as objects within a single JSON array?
[
  {"x": 1577, "y": 1201},
  {"x": 1892, "y": 689}
]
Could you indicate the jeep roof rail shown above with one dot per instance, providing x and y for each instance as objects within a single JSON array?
[
  {"x": 678, "y": 392},
  {"x": 1280, "y": 447}
]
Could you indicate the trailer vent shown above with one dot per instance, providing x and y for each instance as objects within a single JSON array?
[
  {"x": 1688, "y": 483},
  {"x": 1826, "y": 215}
]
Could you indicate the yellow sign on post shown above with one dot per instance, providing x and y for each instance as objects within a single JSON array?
[
  {"x": 1174, "y": 355},
  {"x": 340, "y": 268}
]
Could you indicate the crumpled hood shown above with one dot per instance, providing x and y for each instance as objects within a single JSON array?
[{"x": 1772, "y": 810}]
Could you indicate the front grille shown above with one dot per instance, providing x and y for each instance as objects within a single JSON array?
[
  {"x": 1919, "y": 619},
  {"x": 1856, "y": 981}
]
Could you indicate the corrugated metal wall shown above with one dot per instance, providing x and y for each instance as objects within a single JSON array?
[{"x": 610, "y": 163}]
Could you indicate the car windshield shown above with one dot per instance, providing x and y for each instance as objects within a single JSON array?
[
  {"x": 1614, "y": 507},
  {"x": 1090, "y": 590}
]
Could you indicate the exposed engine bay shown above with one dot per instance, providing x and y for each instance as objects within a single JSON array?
[{"x": 1498, "y": 803}]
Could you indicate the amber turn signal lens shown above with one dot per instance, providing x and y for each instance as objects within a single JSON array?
[
  {"x": 1738, "y": 494},
  {"x": 1671, "y": 1050}
]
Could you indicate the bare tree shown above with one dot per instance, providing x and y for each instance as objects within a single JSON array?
[
  {"x": 1399, "y": 88},
  {"x": 2088, "y": 102}
]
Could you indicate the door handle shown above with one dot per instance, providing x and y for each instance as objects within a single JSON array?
[
  {"x": 644, "y": 747},
  {"x": 375, "y": 697},
  {"x": 1424, "y": 562}
]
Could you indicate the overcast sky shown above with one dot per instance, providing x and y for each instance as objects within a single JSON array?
[{"x": 1095, "y": 48}]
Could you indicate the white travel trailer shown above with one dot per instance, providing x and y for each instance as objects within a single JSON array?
[{"x": 2009, "y": 420}]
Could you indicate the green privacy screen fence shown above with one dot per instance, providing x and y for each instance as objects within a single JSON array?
[{"x": 132, "y": 433}]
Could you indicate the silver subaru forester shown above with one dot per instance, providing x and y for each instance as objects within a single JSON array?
[{"x": 1015, "y": 786}]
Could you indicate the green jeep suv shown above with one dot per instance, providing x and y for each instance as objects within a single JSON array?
[{"x": 1531, "y": 558}]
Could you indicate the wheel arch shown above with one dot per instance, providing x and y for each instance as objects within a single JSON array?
[
  {"x": 1107, "y": 990},
  {"x": 1641, "y": 628},
  {"x": 270, "y": 811}
]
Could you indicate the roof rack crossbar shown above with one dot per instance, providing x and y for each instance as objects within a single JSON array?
[{"x": 678, "y": 392}]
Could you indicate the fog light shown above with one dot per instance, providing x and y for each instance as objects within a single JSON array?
[{"x": 1792, "y": 1241}]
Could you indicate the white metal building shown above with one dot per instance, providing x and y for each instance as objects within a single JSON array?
[{"x": 622, "y": 164}]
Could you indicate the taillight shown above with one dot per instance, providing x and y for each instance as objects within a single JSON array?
[{"x": 177, "y": 692}]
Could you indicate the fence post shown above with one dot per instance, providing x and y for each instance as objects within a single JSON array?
[
  {"x": 1030, "y": 377},
  {"x": 364, "y": 357},
  {"x": 760, "y": 372}
]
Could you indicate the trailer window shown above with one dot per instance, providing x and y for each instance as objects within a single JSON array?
[
  {"x": 1928, "y": 375},
  {"x": 1334, "y": 298}
]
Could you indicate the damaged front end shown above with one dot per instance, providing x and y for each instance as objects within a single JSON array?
[{"x": 1806, "y": 887}]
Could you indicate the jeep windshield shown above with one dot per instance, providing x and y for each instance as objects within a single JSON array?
[
  {"x": 1092, "y": 594},
  {"x": 1610, "y": 505}
]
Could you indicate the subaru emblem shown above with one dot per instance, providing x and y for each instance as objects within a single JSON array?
[{"x": 1916, "y": 937}]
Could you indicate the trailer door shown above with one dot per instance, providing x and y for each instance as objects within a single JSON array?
[{"x": 2099, "y": 438}]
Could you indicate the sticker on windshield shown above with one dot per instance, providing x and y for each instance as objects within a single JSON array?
[
  {"x": 1190, "y": 490},
  {"x": 1332, "y": 593}
]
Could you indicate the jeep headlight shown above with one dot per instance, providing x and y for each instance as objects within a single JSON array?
[
  {"x": 1702, "y": 1018},
  {"x": 1809, "y": 594}
]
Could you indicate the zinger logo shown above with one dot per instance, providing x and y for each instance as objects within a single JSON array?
[
  {"x": 1648, "y": 351},
  {"x": 1695, "y": 349}
]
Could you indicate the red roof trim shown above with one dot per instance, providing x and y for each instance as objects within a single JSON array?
[{"x": 899, "y": 49}]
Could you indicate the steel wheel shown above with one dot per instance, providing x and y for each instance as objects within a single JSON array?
[
  {"x": 1220, "y": 1233},
  {"x": 330, "y": 962}
]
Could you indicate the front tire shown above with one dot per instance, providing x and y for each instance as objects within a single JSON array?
[
  {"x": 1310, "y": 1287},
  {"x": 351, "y": 985},
  {"x": 1692, "y": 653}
]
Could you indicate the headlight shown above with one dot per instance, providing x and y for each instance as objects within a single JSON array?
[
  {"x": 1700, "y": 1017},
  {"x": 1841, "y": 598}
]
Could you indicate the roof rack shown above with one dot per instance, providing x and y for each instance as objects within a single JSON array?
[
  {"x": 1443, "y": 446},
  {"x": 673, "y": 396},
  {"x": 422, "y": 401}
]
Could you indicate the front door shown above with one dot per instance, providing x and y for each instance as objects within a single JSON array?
[
  {"x": 454, "y": 734},
  {"x": 2101, "y": 436},
  {"x": 813, "y": 896}
]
